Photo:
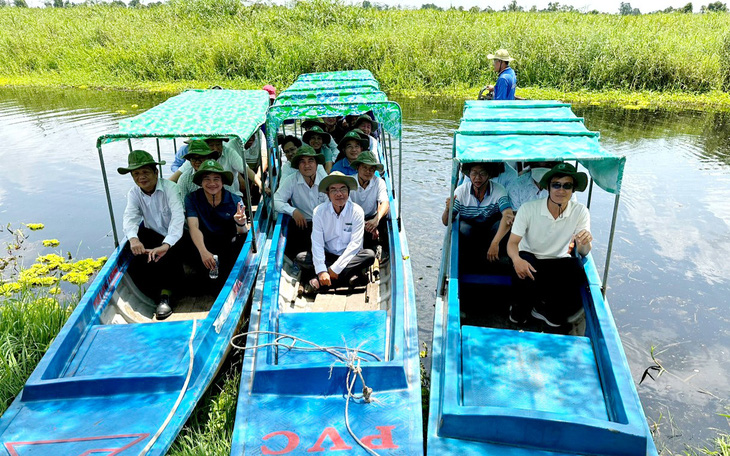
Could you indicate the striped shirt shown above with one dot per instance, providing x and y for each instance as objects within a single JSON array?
[{"x": 470, "y": 208}]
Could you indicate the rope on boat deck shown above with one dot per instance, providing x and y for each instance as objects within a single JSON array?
[
  {"x": 179, "y": 397},
  {"x": 349, "y": 357}
]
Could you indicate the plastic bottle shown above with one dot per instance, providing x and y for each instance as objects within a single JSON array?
[{"x": 214, "y": 272}]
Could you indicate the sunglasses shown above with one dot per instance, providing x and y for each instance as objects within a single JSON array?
[{"x": 558, "y": 185}]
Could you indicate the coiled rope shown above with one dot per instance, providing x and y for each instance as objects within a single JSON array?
[{"x": 349, "y": 357}]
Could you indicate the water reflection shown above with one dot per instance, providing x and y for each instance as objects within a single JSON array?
[{"x": 669, "y": 281}]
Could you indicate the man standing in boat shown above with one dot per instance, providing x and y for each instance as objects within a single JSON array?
[
  {"x": 506, "y": 84},
  {"x": 338, "y": 226},
  {"x": 547, "y": 234},
  {"x": 156, "y": 204}
]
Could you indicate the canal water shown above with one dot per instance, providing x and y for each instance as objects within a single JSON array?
[{"x": 670, "y": 275}]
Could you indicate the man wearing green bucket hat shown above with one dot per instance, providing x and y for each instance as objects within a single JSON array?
[
  {"x": 197, "y": 152},
  {"x": 156, "y": 205},
  {"x": 337, "y": 255},
  {"x": 350, "y": 147},
  {"x": 297, "y": 196},
  {"x": 506, "y": 84},
  {"x": 547, "y": 234},
  {"x": 369, "y": 128},
  {"x": 372, "y": 196},
  {"x": 320, "y": 142},
  {"x": 217, "y": 222}
]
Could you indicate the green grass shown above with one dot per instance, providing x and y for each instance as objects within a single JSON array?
[{"x": 197, "y": 43}]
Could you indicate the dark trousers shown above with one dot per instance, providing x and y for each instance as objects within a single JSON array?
[
  {"x": 371, "y": 243},
  {"x": 227, "y": 248},
  {"x": 474, "y": 241},
  {"x": 154, "y": 276},
  {"x": 556, "y": 290},
  {"x": 298, "y": 239},
  {"x": 364, "y": 259}
]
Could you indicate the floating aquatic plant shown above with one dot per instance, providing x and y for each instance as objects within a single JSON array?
[
  {"x": 51, "y": 243},
  {"x": 35, "y": 226}
]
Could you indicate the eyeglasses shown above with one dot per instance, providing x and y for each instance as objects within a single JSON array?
[
  {"x": 338, "y": 190},
  {"x": 558, "y": 185},
  {"x": 482, "y": 174},
  {"x": 196, "y": 158}
]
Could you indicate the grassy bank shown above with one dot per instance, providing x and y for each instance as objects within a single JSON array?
[{"x": 666, "y": 58}]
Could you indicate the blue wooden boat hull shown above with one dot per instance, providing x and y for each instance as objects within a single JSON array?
[
  {"x": 506, "y": 392},
  {"x": 109, "y": 389},
  {"x": 294, "y": 403}
]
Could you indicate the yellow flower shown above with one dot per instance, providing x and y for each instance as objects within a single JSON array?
[
  {"x": 55, "y": 290},
  {"x": 6, "y": 289},
  {"x": 35, "y": 226},
  {"x": 51, "y": 243}
]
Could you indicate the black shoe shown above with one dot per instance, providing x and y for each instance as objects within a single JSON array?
[
  {"x": 517, "y": 316},
  {"x": 359, "y": 280},
  {"x": 163, "y": 308},
  {"x": 542, "y": 315}
]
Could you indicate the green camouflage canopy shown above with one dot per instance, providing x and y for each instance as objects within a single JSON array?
[
  {"x": 345, "y": 96},
  {"x": 230, "y": 113},
  {"x": 332, "y": 85},
  {"x": 528, "y": 140},
  {"x": 387, "y": 113},
  {"x": 352, "y": 75}
]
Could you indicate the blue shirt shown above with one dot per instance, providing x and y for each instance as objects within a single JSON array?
[
  {"x": 179, "y": 160},
  {"x": 216, "y": 221},
  {"x": 506, "y": 85},
  {"x": 343, "y": 165}
]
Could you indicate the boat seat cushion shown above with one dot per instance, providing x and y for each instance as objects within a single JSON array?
[
  {"x": 530, "y": 371},
  {"x": 356, "y": 329}
]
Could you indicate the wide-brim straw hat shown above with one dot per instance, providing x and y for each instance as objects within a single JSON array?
[
  {"x": 212, "y": 166},
  {"x": 364, "y": 118},
  {"x": 306, "y": 151},
  {"x": 315, "y": 130},
  {"x": 501, "y": 54},
  {"x": 367, "y": 158},
  {"x": 337, "y": 178},
  {"x": 579, "y": 178},
  {"x": 352, "y": 134},
  {"x": 200, "y": 148},
  {"x": 137, "y": 159}
]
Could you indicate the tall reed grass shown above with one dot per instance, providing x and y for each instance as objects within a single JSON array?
[{"x": 226, "y": 42}]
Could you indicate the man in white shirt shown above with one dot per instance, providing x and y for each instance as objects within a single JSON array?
[
  {"x": 156, "y": 203},
  {"x": 336, "y": 256},
  {"x": 546, "y": 235},
  {"x": 367, "y": 125},
  {"x": 372, "y": 196},
  {"x": 298, "y": 195}
]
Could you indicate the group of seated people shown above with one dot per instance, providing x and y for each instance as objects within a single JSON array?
[
  {"x": 197, "y": 216},
  {"x": 337, "y": 202},
  {"x": 531, "y": 219}
]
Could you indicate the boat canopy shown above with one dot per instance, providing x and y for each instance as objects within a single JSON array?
[
  {"x": 357, "y": 95},
  {"x": 388, "y": 113},
  {"x": 525, "y": 138},
  {"x": 348, "y": 75},
  {"x": 329, "y": 85},
  {"x": 217, "y": 113}
]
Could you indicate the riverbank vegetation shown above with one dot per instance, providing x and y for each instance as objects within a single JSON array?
[{"x": 198, "y": 43}]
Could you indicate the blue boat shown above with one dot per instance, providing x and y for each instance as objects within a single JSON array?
[
  {"x": 114, "y": 381},
  {"x": 308, "y": 360},
  {"x": 498, "y": 389}
]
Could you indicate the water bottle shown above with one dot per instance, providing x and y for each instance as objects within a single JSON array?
[{"x": 214, "y": 272}]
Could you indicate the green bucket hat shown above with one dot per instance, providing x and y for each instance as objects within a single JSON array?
[
  {"x": 138, "y": 159},
  {"x": 198, "y": 147},
  {"x": 501, "y": 54},
  {"x": 364, "y": 118},
  {"x": 212, "y": 166},
  {"x": 580, "y": 178},
  {"x": 337, "y": 178},
  {"x": 352, "y": 134},
  {"x": 309, "y": 123},
  {"x": 315, "y": 130},
  {"x": 306, "y": 151},
  {"x": 367, "y": 158}
]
